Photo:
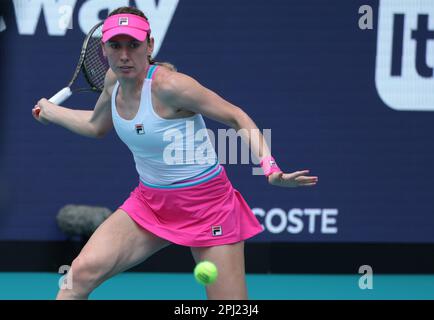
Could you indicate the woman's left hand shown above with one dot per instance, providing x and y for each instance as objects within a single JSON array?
[{"x": 292, "y": 180}]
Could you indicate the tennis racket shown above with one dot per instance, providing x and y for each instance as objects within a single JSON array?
[{"x": 92, "y": 64}]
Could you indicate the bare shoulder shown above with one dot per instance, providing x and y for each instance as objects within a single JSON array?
[
  {"x": 169, "y": 84},
  {"x": 109, "y": 81}
]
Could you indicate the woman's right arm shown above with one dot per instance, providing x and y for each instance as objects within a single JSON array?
[{"x": 93, "y": 124}]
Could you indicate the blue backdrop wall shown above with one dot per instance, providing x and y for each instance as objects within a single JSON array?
[{"x": 332, "y": 94}]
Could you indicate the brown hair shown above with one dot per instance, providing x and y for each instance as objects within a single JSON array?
[{"x": 137, "y": 12}]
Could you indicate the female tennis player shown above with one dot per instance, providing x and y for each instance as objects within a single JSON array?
[{"x": 189, "y": 202}]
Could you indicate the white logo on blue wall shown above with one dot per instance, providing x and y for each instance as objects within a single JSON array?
[
  {"x": 2, "y": 24},
  {"x": 404, "y": 74},
  {"x": 87, "y": 13},
  {"x": 297, "y": 220}
]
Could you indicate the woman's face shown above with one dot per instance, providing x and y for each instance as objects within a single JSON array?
[{"x": 127, "y": 57}]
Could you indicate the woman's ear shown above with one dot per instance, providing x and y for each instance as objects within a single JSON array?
[
  {"x": 103, "y": 50},
  {"x": 150, "y": 47}
]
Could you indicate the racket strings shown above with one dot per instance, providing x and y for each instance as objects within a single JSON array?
[{"x": 95, "y": 64}]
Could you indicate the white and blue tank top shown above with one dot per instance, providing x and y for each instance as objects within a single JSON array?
[{"x": 168, "y": 153}]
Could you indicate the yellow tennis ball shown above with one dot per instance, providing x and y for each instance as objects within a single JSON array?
[{"x": 205, "y": 272}]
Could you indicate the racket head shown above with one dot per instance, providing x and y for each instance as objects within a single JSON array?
[
  {"x": 92, "y": 62},
  {"x": 94, "y": 65}
]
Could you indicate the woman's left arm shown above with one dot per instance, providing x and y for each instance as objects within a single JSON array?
[{"x": 181, "y": 91}]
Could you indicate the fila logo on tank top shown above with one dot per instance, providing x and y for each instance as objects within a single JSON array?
[{"x": 139, "y": 129}]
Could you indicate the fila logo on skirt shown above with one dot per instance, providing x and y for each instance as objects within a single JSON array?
[
  {"x": 139, "y": 129},
  {"x": 217, "y": 231}
]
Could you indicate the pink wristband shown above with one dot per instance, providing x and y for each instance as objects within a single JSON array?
[{"x": 269, "y": 166}]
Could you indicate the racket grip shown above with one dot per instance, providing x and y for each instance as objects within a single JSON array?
[{"x": 61, "y": 96}]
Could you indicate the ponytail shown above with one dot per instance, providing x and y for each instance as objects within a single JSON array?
[{"x": 167, "y": 65}]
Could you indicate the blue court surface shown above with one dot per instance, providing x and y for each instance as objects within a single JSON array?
[{"x": 182, "y": 286}]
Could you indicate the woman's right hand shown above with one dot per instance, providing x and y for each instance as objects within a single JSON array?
[{"x": 41, "y": 109}]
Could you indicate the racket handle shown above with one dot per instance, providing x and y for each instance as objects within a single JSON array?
[
  {"x": 61, "y": 96},
  {"x": 58, "y": 98}
]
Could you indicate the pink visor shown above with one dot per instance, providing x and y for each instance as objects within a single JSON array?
[{"x": 125, "y": 23}]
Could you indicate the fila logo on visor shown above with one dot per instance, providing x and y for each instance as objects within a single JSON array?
[{"x": 123, "y": 21}]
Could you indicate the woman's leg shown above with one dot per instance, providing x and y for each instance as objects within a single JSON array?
[
  {"x": 231, "y": 280},
  {"x": 117, "y": 245}
]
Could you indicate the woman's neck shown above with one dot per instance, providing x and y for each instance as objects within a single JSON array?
[{"x": 130, "y": 87}]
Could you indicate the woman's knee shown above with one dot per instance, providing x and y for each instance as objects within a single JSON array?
[{"x": 87, "y": 273}]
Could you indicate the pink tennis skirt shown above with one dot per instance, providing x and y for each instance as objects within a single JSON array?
[{"x": 206, "y": 214}]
